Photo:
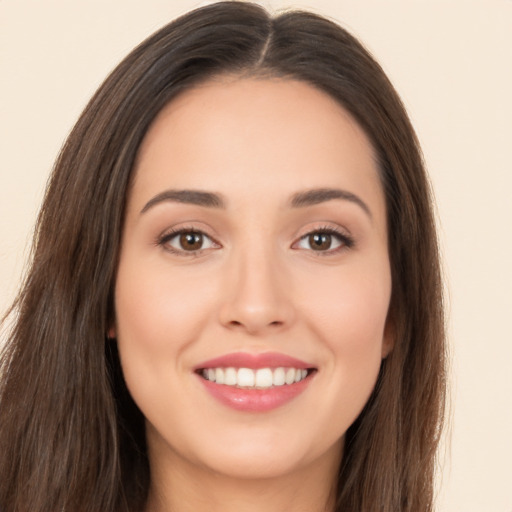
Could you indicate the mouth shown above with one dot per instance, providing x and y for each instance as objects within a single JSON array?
[
  {"x": 255, "y": 382},
  {"x": 261, "y": 378}
]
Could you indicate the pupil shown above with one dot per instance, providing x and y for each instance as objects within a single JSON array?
[
  {"x": 191, "y": 241},
  {"x": 320, "y": 241}
]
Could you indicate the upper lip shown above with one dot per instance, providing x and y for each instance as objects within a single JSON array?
[{"x": 254, "y": 361}]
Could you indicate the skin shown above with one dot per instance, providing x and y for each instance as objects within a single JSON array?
[{"x": 255, "y": 285}]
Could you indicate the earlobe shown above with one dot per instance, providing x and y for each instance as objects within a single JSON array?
[
  {"x": 111, "y": 333},
  {"x": 387, "y": 348},
  {"x": 388, "y": 340}
]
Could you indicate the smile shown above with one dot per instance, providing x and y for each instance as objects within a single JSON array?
[
  {"x": 247, "y": 378},
  {"x": 255, "y": 382}
]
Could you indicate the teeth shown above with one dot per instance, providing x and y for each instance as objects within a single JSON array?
[
  {"x": 230, "y": 377},
  {"x": 264, "y": 378},
  {"x": 244, "y": 377},
  {"x": 278, "y": 377},
  {"x": 290, "y": 376},
  {"x": 261, "y": 378},
  {"x": 219, "y": 376}
]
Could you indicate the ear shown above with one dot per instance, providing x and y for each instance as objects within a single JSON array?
[
  {"x": 388, "y": 339},
  {"x": 111, "y": 333}
]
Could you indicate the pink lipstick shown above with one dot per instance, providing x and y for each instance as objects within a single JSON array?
[{"x": 255, "y": 382}]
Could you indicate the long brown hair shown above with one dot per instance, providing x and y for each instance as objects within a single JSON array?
[{"x": 71, "y": 438}]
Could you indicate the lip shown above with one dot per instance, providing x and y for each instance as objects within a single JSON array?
[
  {"x": 255, "y": 400},
  {"x": 254, "y": 361}
]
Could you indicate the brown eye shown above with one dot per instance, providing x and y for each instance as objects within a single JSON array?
[
  {"x": 320, "y": 241},
  {"x": 191, "y": 241},
  {"x": 187, "y": 241},
  {"x": 324, "y": 241}
]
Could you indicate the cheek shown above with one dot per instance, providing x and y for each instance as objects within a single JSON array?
[
  {"x": 158, "y": 310},
  {"x": 159, "y": 314},
  {"x": 348, "y": 312},
  {"x": 350, "y": 307}
]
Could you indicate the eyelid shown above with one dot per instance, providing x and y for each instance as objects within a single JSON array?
[
  {"x": 164, "y": 238},
  {"x": 344, "y": 237}
]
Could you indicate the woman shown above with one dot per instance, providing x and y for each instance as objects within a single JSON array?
[{"x": 234, "y": 299}]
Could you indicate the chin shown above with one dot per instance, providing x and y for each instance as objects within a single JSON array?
[{"x": 257, "y": 455}]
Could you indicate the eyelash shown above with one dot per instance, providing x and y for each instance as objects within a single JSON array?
[
  {"x": 164, "y": 240},
  {"x": 346, "y": 241}
]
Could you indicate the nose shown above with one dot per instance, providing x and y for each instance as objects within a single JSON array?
[{"x": 257, "y": 298}]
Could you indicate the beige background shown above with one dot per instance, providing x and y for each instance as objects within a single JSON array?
[{"x": 452, "y": 63}]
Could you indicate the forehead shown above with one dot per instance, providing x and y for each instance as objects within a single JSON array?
[{"x": 249, "y": 136}]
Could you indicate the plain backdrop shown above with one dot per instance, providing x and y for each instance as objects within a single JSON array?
[{"x": 451, "y": 61}]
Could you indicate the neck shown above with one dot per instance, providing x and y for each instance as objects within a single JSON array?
[{"x": 182, "y": 488}]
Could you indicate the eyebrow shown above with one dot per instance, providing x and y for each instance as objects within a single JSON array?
[
  {"x": 321, "y": 195},
  {"x": 196, "y": 197},
  {"x": 298, "y": 200}
]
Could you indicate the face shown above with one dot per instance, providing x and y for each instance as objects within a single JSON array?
[{"x": 254, "y": 281}]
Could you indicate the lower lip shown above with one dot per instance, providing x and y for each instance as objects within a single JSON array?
[{"x": 255, "y": 400}]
